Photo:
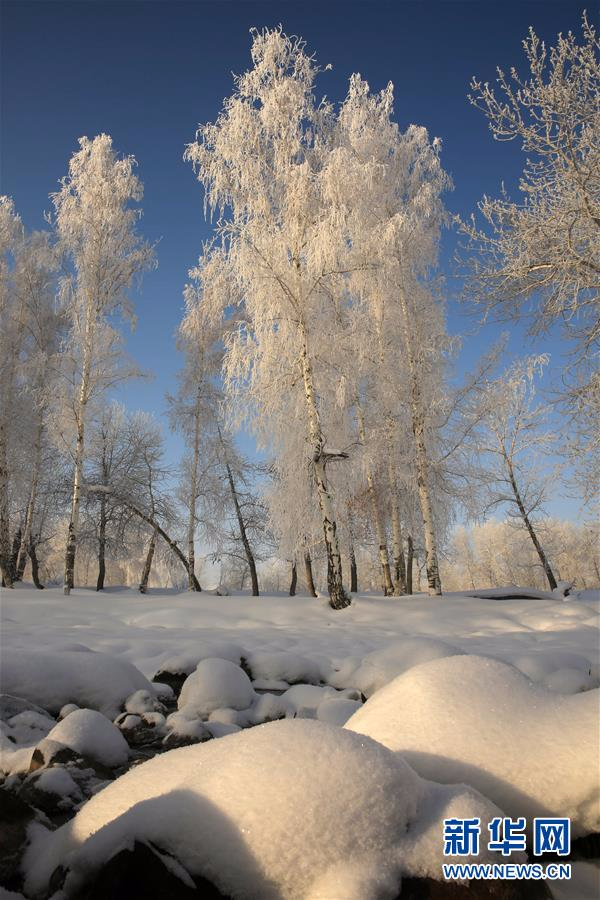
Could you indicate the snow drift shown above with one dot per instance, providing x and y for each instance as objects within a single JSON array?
[
  {"x": 273, "y": 812},
  {"x": 482, "y": 722}
]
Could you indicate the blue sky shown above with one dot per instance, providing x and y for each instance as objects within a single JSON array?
[{"x": 147, "y": 72}]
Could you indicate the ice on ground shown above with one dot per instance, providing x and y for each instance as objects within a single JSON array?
[
  {"x": 482, "y": 722},
  {"x": 216, "y": 683},
  {"x": 90, "y": 733},
  {"x": 277, "y": 811},
  {"x": 54, "y": 679}
]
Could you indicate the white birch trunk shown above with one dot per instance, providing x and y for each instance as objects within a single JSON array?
[
  {"x": 418, "y": 427},
  {"x": 35, "y": 476},
  {"x": 384, "y": 559},
  {"x": 399, "y": 561},
  {"x": 79, "y": 447},
  {"x": 191, "y": 535},
  {"x": 338, "y": 598}
]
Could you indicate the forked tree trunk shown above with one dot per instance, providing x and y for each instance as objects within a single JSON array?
[
  {"x": 410, "y": 555},
  {"x": 529, "y": 525},
  {"x": 418, "y": 428},
  {"x": 148, "y": 563},
  {"x": 191, "y": 537},
  {"x": 79, "y": 449},
  {"x": 294, "y": 581},
  {"x": 308, "y": 574},
  {"x": 384, "y": 559}
]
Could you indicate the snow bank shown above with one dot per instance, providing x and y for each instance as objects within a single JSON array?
[
  {"x": 283, "y": 811},
  {"x": 381, "y": 666},
  {"x": 216, "y": 684},
  {"x": 90, "y": 733},
  {"x": 54, "y": 679},
  {"x": 273, "y": 668},
  {"x": 480, "y": 721}
]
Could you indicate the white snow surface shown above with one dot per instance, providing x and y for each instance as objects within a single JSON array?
[
  {"x": 276, "y": 811},
  {"x": 60, "y": 675},
  {"x": 482, "y": 722},
  {"x": 216, "y": 684},
  {"x": 90, "y": 733}
]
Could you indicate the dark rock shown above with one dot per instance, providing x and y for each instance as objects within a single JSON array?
[
  {"x": 141, "y": 874},
  {"x": 587, "y": 847},
  {"x": 49, "y": 802},
  {"x": 173, "y": 679},
  {"x": 142, "y": 733},
  {"x": 430, "y": 889},
  {"x": 174, "y": 740},
  {"x": 52, "y": 753},
  {"x": 15, "y": 816}
]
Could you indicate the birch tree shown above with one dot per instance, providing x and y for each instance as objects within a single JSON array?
[
  {"x": 510, "y": 448},
  {"x": 96, "y": 230},
  {"x": 264, "y": 166},
  {"x": 538, "y": 256}
]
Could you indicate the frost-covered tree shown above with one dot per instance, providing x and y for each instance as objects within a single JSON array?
[
  {"x": 509, "y": 449},
  {"x": 96, "y": 230},
  {"x": 539, "y": 255},
  {"x": 265, "y": 165}
]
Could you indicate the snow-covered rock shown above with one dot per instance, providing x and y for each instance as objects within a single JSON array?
[
  {"x": 216, "y": 684},
  {"x": 53, "y": 679},
  {"x": 482, "y": 722},
  {"x": 91, "y": 734},
  {"x": 282, "y": 810}
]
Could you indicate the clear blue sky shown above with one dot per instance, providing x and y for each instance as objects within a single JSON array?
[{"x": 147, "y": 72}]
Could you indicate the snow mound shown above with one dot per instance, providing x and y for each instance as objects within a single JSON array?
[
  {"x": 382, "y": 666},
  {"x": 269, "y": 668},
  {"x": 90, "y": 733},
  {"x": 482, "y": 722},
  {"x": 278, "y": 811},
  {"x": 54, "y": 679},
  {"x": 216, "y": 684}
]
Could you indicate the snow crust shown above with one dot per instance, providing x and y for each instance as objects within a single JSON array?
[
  {"x": 90, "y": 733},
  {"x": 274, "y": 812},
  {"x": 482, "y": 722},
  {"x": 54, "y": 679}
]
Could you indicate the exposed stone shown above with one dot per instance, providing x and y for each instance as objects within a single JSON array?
[
  {"x": 141, "y": 874},
  {"x": 15, "y": 816},
  {"x": 173, "y": 679}
]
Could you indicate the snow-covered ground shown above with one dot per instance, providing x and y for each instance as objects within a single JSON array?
[{"x": 498, "y": 694}]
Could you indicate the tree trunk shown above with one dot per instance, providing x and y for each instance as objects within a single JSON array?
[
  {"x": 7, "y": 580},
  {"x": 194, "y": 490},
  {"x": 399, "y": 561},
  {"x": 243, "y": 534},
  {"x": 79, "y": 448},
  {"x": 384, "y": 559},
  {"x": 410, "y": 553},
  {"x": 35, "y": 476},
  {"x": 102, "y": 544},
  {"x": 294, "y": 580},
  {"x": 35, "y": 569},
  {"x": 148, "y": 563},
  {"x": 14, "y": 553},
  {"x": 353, "y": 571},
  {"x": 308, "y": 574},
  {"x": 418, "y": 428},
  {"x": 529, "y": 525}
]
